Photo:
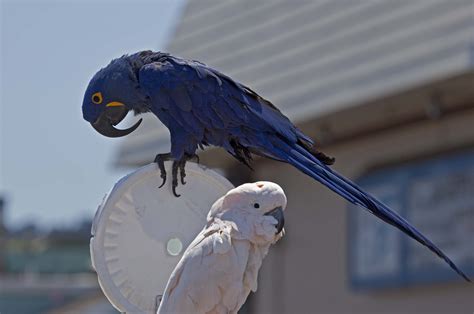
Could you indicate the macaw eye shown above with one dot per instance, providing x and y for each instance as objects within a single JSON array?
[
  {"x": 256, "y": 205},
  {"x": 97, "y": 98}
]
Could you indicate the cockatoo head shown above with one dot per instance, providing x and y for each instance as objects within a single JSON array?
[{"x": 256, "y": 209}]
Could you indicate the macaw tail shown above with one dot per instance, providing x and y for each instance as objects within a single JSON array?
[{"x": 301, "y": 158}]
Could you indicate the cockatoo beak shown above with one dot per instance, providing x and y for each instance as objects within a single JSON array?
[
  {"x": 111, "y": 116},
  {"x": 277, "y": 213}
]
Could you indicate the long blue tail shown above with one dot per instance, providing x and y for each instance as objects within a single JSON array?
[{"x": 302, "y": 159}]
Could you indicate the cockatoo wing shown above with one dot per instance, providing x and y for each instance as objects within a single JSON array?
[{"x": 209, "y": 276}]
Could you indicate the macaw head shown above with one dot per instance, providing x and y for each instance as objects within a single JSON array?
[
  {"x": 252, "y": 204},
  {"x": 112, "y": 92}
]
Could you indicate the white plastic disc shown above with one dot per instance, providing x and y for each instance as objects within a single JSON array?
[{"x": 140, "y": 232}]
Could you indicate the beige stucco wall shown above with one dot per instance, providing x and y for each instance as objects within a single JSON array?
[{"x": 306, "y": 272}]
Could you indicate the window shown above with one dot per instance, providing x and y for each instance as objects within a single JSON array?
[{"x": 437, "y": 197}]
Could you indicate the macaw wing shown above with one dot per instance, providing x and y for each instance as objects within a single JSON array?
[{"x": 200, "y": 98}]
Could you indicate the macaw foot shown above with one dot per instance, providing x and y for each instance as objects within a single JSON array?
[
  {"x": 177, "y": 165},
  {"x": 160, "y": 160}
]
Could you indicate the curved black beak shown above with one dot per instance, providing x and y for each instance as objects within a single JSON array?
[
  {"x": 277, "y": 213},
  {"x": 111, "y": 116}
]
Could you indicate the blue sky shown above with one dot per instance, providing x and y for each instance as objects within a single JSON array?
[{"x": 54, "y": 168}]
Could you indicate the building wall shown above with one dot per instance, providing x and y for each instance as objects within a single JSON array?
[
  {"x": 307, "y": 271},
  {"x": 329, "y": 65}
]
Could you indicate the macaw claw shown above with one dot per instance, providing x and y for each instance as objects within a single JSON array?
[
  {"x": 182, "y": 170},
  {"x": 174, "y": 176},
  {"x": 160, "y": 160},
  {"x": 178, "y": 165}
]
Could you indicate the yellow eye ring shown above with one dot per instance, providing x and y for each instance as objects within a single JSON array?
[{"x": 97, "y": 98}]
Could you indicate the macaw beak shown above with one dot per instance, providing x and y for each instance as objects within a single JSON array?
[
  {"x": 112, "y": 115},
  {"x": 277, "y": 213}
]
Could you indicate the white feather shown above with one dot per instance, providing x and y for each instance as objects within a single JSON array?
[{"x": 220, "y": 267}]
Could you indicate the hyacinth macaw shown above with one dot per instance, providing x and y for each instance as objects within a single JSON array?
[{"x": 201, "y": 106}]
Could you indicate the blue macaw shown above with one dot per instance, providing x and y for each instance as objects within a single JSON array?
[{"x": 201, "y": 106}]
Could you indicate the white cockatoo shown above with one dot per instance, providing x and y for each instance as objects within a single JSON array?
[{"x": 220, "y": 267}]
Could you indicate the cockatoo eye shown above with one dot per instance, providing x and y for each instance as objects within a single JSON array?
[
  {"x": 97, "y": 98},
  {"x": 256, "y": 205}
]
